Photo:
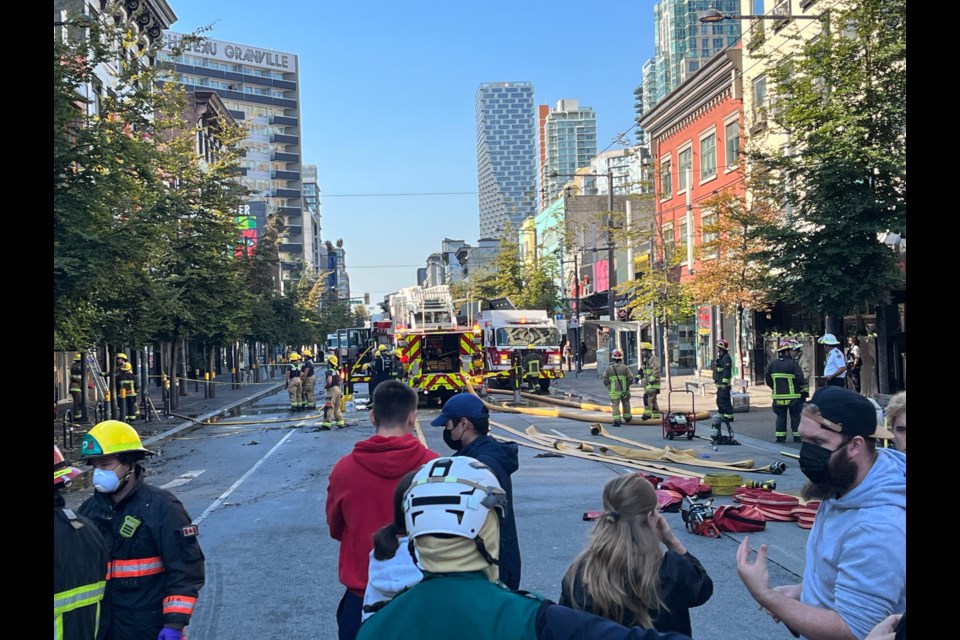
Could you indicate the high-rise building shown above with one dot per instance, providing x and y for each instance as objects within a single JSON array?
[
  {"x": 506, "y": 155},
  {"x": 568, "y": 141},
  {"x": 260, "y": 87},
  {"x": 682, "y": 44},
  {"x": 313, "y": 248}
]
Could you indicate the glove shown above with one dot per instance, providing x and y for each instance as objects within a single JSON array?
[{"x": 170, "y": 634}]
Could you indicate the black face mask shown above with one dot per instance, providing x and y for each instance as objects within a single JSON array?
[
  {"x": 815, "y": 461},
  {"x": 456, "y": 445}
]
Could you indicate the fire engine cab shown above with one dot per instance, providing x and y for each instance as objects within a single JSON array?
[{"x": 520, "y": 345}]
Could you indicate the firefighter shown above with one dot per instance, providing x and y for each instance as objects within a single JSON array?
[
  {"x": 380, "y": 369},
  {"x": 722, "y": 375},
  {"x": 331, "y": 406},
  {"x": 309, "y": 380},
  {"x": 127, "y": 380},
  {"x": 797, "y": 351},
  {"x": 156, "y": 566},
  {"x": 617, "y": 379},
  {"x": 294, "y": 382},
  {"x": 650, "y": 370},
  {"x": 785, "y": 379},
  {"x": 80, "y": 558},
  {"x": 531, "y": 367},
  {"x": 397, "y": 355},
  {"x": 76, "y": 385}
]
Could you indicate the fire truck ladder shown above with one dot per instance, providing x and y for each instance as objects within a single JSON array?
[{"x": 433, "y": 307}]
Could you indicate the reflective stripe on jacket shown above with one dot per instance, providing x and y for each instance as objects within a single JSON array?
[{"x": 617, "y": 379}]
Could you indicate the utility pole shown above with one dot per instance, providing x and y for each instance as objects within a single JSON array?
[{"x": 611, "y": 271}]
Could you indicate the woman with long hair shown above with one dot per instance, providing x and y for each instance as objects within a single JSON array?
[{"x": 625, "y": 575}]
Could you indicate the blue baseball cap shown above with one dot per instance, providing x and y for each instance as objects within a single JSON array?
[{"x": 462, "y": 405}]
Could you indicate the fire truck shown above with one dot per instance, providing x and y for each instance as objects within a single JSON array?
[
  {"x": 436, "y": 353},
  {"x": 520, "y": 343}
]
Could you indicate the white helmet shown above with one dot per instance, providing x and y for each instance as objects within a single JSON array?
[
  {"x": 451, "y": 495},
  {"x": 828, "y": 338}
]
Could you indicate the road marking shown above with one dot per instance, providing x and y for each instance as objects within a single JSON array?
[
  {"x": 183, "y": 479},
  {"x": 226, "y": 494}
]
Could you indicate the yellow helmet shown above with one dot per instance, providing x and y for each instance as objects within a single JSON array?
[
  {"x": 382, "y": 347},
  {"x": 77, "y": 357},
  {"x": 122, "y": 355},
  {"x": 126, "y": 366},
  {"x": 294, "y": 356},
  {"x": 333, "y": 360},
  {"x": 110, "y": 438},
  {"x": 307, "y": 353},
  {"x": 646, "y": 345}
]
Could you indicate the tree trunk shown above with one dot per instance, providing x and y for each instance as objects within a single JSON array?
[
  {"x": 666, "y": 352},
  {"x": 739, "y": 329}
]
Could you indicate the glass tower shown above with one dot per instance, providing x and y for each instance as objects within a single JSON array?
[
  {"x": 569, "y": 142},
  {"x": 506, "y": 155}
]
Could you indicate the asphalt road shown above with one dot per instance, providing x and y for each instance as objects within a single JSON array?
[{"x": 258, "y": 492}]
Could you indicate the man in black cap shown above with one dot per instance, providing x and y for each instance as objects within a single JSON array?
[
  {"x": 856, "y": 572},
  {"x": 466, "y": 427}
]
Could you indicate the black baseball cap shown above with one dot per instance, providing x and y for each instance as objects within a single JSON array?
[{"x": 845, "y": 412}]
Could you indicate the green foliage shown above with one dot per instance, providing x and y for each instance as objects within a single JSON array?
[
  {"x": 529, "y": 285},
  {"x": 842, "y": 99}
]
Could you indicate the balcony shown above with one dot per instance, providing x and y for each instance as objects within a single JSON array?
[
  {"x": 280, "y": 156},
  {"x": 291, "y": 247},
  {"x": 290, "y": 212},
  {"x": 283, "y": 120},
  {"x": 782, "y": 8},
  {"x": 285, "y": 193},
  {"x": 755, "y": 35},
  {"x": 294, "y": 232},
  {"x": 284, "y": 139},
  {"x": 285, "y": 175}
]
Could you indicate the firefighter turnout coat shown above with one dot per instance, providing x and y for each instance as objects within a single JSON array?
[
  {"x": 785, "y": 378},
  {"x": 79, "y": 574},
  {"x": 156, "y": 566}
]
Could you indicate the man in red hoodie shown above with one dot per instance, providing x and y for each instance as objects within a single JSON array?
[{"x": 360, "y": 491}]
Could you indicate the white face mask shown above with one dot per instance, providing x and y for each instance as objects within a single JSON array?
[{"x": 105, "y": 480}]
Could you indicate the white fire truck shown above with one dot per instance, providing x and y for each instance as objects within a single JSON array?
[
  {"x": 437, "y": 355},
  {"x": 522, "y": 344}
]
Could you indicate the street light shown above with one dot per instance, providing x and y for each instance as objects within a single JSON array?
[{"x": 611, "y": 272}]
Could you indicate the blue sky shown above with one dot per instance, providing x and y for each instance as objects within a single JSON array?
[{"x": 387, "y": 101}]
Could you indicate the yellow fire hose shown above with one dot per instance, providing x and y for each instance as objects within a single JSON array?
[{"x": 585, "y": 406}]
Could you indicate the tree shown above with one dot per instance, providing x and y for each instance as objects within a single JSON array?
[
  {"x": 730, "y": 273},
  {"x": 842, "y": 100},
  {"x": 505, "y": 278}
]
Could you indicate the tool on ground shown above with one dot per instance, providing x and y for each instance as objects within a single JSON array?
[
  {"x": 699, "y": 518},
  {"x": 767, "y": 485},
  {"x": 716, "y": 425}
]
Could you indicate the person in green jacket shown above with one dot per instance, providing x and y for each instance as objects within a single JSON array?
[{"x": 617, "y": 379}]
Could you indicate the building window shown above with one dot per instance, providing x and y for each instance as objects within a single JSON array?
[
  {"x": 666, "y": 178},
  {"x": 760, "y": 102},
  {"x": 731, "y": 135},
  {"x": 685, "y": 165},
  {"x": 708, "y": 157},
  {"x": 708, "y": 248},
  {"x": 668, "y": 241}
]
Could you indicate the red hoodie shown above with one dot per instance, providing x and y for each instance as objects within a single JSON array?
[{"x": 360, "y": 498}]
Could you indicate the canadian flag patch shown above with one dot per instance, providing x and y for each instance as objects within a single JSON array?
[{"x": 190, "y": 531}]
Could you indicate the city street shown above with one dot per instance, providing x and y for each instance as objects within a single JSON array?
[{"x": 257, "y": 492}]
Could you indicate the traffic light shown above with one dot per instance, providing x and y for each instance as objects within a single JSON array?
[{"x": 366, "y": 298}]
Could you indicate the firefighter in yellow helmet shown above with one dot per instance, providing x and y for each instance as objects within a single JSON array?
[
  {"x": 617, "y": 379},
  {"x": 127, "y": 400},
  {"x": 331, "y": 387},
  {"x": 308, "y": 376},
  {"x": 650, "y": 378},
  {"x": 295, "y": 382},
  {"x": 80, "y": 558},
  {"x": 380, "y": 368},
  {"x": 156, "y": 565}
]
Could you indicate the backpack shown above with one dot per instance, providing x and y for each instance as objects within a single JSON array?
[{"x": 739, "y": 519}]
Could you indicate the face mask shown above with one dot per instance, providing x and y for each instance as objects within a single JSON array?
[
  {"x": 815, "y": 461},
  {"x": 105, "y": 481},
  {"x": 456, "y": 445}
]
